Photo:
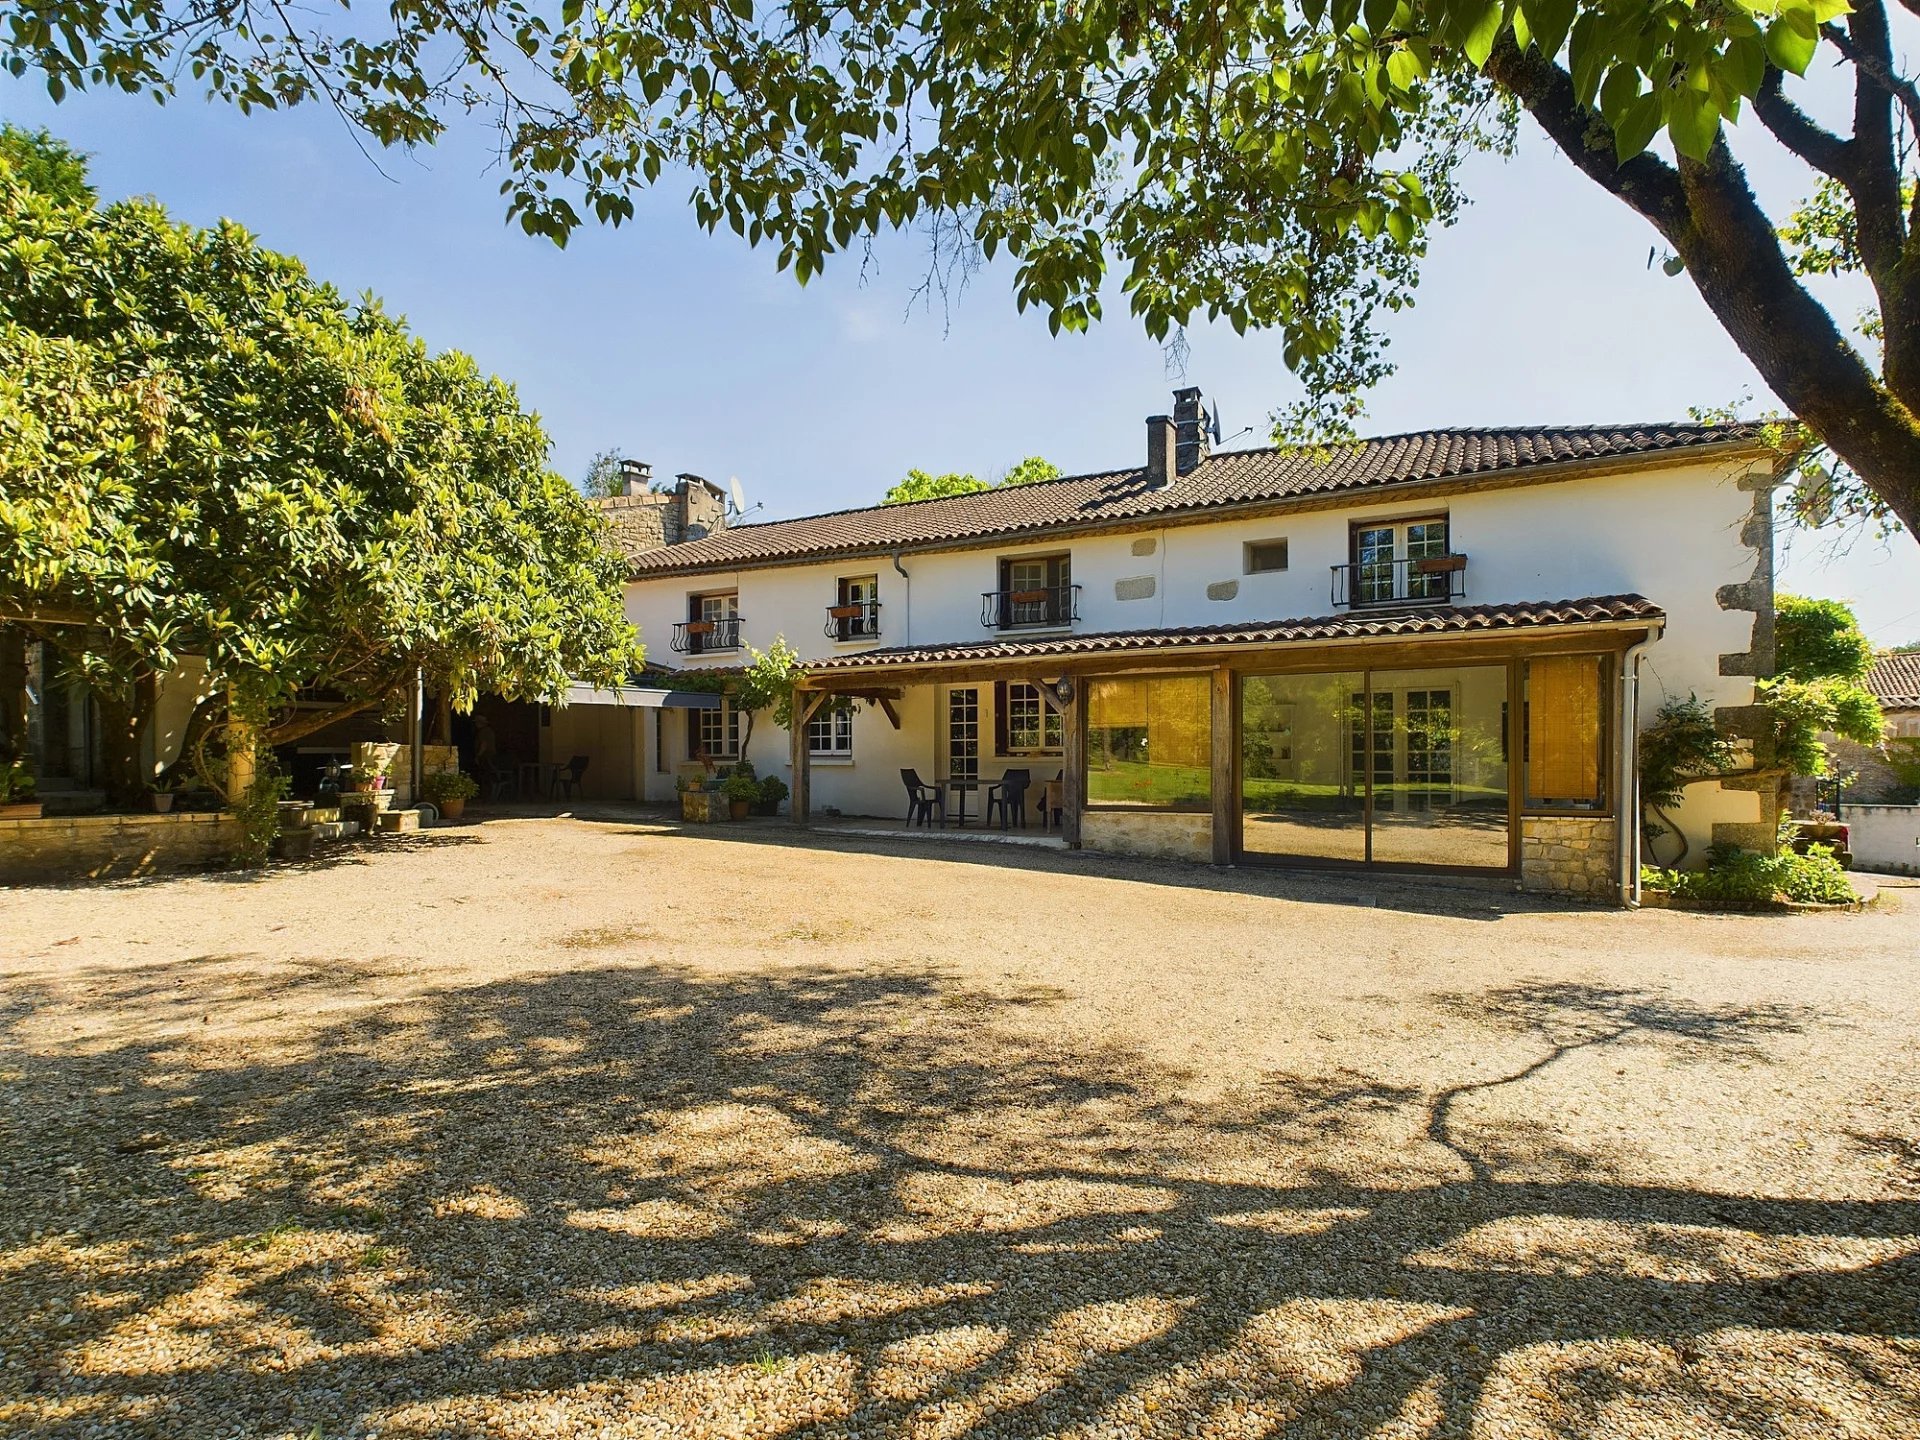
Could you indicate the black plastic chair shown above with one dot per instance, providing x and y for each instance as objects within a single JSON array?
[
  {"x": 501, "y": 779},
  {"x": 923, "y": 800},
  {"x": 566, "y": 777},
  {"x": 1009, "y": 794}
]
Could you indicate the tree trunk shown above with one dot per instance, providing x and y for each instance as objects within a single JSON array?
[
  {"x": 123, "y": 731},
  {"x": 13, "y": 693}
]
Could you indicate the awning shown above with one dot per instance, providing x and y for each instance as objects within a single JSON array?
[
  {"x": 642, "y": 697},
  {"x": 1600, "y": 611}
]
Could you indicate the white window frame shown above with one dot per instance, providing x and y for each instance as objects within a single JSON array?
[
  {"x": 728, "y": 723},
  {"x": 836, "y": 723}
]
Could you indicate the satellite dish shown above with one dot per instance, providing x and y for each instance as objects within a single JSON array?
[
  {"x": 1215, "y": 418},
  {"x": 739, "y": 495}
]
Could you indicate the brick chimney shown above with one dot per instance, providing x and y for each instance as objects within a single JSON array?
[
  {"x": 1190, "y": 424},
  {"x": 1160, "y": 451}
]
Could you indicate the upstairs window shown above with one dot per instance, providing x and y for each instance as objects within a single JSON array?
[
  {"x": 856, "y": 610},
  {"x": 1264, "y": 556},
  {"x": 1399, "y": 561},
  {"x": 1035, "y": 590}
]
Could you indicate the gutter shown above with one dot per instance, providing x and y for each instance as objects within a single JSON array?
[
  {"x": 906, "y": 622},
  {"x": 1628, "y": 838},
  {"x": 1547, "y": 473}
]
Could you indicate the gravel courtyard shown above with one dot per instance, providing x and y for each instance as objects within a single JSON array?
[{"x": 557, "y": 1127}]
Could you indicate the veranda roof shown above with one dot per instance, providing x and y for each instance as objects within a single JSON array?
[{"x": 1444, "y": 621}]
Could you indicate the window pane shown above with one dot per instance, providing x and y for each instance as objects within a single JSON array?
[
  {"x": 1150, "y": 741},
  {"x": 1439, "y": 777},
  {"x": 1564, "y": 712},
  {"x": 1303, "y": 766}
]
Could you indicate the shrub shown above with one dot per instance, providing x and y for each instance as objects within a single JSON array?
[
  {"x": 16, "y": 782},
  {"x": 741, "y": 787},
  {"x": 444, "y": 785},
  {"x": 1742, "y": 877},
  {"x": 772, "y": 790}
]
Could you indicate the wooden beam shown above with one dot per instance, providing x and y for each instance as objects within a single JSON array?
[
  {"x": 1073, "y": 773},
  {"x": 1225, "y": 766},
  {"x": 800, "y": 802},
  {"x": 47, "y": 615},
  {"x": 886, "y": 708}
]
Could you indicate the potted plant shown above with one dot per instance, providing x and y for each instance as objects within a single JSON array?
[
  {"x": 16, "y": 792},
  {"x": 450, "y": 790},
  {"x": 741, "y": 792},
  {"x": 379, "y": 788},
  {"x": 772, "y": 791},
  {"x": 163, "y": 796}
]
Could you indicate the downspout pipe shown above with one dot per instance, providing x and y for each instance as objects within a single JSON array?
[
  {"x": 1629, "y": 786},
  {"x": 906, "y": 620}
]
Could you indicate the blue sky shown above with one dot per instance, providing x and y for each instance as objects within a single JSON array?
[{"x": 687, "y": 350}]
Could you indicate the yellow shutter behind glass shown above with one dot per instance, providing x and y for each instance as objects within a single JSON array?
[{"x": 1563, "y": 720}]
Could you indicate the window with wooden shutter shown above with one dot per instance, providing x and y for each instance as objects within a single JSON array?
[{"x": 1566, "y": 732}]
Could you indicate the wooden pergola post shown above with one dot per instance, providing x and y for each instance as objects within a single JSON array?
[
  {"x": 240, "y": 768},
  {"x": 805, "y": 704},
  {"x": 1224, "y": 807},
  {"x": 1073, "y": 773}
]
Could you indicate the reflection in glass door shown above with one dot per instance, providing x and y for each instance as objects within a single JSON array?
[
  {"x": 1302, "y": 790},
  {"x": 1400, "y": 767}
]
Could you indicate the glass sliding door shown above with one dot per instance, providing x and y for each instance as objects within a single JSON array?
[
  {"x": 1302, "y": 791},
  {"x": 1440, "y": 783},
  {"x": 1397, "y": 767}
]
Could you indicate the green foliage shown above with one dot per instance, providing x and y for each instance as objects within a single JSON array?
[
  {"x": 772, "y": 791},
  {"x": 440, "y": 786},
  {"x": 1740, "y": 877},
  {"x": 604, "y": 478},
  {"x": 1818, "y": 640},
  {"x": 258, "y": 810},
  {"x": 740, "y": 787},
  {"x": 919, "y": 485},
  {"x": 1681, "y": 747},
  {"x": 1031, "y": 471},
  {"x": 765, "y": 684},
  {"x": 204, "y": 450},
  {"x": 16, "y": 782},
  {"x": 1277, "y": 166},
  {"x": 47, "y": 165}
]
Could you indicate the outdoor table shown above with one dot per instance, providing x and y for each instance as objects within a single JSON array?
[
  {"x": 960, "y": 789},
  {"x": 528, "y": 784}
]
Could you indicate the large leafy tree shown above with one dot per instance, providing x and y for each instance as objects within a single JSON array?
[
  {"x": 920, "y": 485},
  {"x": 1271, "y": 164},
  {"x": 204, "y": 451}
]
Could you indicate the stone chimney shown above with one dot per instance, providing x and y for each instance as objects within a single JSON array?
[
  {"x": 1161, "y": 450},
  {"x": 1191, "y": 424},
  {"x": 703, "y": 507},
  {"x": 643, "y": 519}
]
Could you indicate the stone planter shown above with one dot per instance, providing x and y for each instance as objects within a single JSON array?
[
  {"x": 20, "y": 810},
  {"x": 296, "y": 814},
  {"x": 294, "y": 844},
  {"x": 703, "y": 807}
]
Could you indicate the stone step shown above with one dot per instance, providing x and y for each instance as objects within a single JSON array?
[
  {"x": 335, "y": 829},
  {"x": 323, "y": 815},
  {"x": 398, "y": 822}
]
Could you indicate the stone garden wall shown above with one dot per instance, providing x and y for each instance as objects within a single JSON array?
[{"x": 113, "y": 847}]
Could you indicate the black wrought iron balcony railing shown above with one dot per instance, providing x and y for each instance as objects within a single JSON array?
[
  {"x": 703, "y": 637},
  {"x": 859, "y": 620},
  {"x": 1030, "y": 609},
  {"x": 1428, "y": 580}
]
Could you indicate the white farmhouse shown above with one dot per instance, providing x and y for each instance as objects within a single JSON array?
[{"x": 1428, "y": 651}]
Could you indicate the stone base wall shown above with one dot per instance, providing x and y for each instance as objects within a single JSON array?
[
  {"x": 1570, "y": 855},
  {"x": 113, "y": 847},
  {"x": 395, "y": 761},
  {"x": 1156, "y": 835}
]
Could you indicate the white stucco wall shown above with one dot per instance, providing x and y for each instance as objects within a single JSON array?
[{"x": 1670, "y": 534}]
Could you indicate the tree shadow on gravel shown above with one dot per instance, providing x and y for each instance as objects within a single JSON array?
[{"x": 810, "y": 1203}]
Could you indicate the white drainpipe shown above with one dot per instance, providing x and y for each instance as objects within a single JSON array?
[
  {"x": 906, "y": 615},
  {"x": 1629, "y": 788}
]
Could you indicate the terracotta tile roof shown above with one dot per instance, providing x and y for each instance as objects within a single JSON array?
[
  {"x": 1231, "y": 478},
  {"x": 1895, "y": 681},
  {"x": 1456, "y": 620}
]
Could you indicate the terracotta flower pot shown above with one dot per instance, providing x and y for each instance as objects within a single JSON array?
[
  {"x": 738, "y": 808},
  {"x": 453, "y": 809}
]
